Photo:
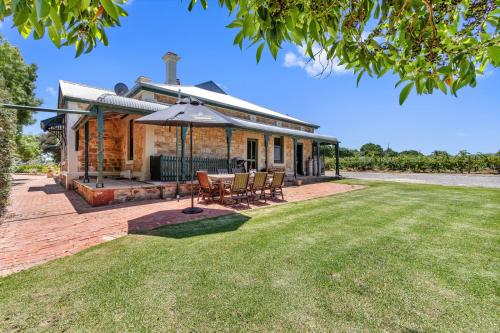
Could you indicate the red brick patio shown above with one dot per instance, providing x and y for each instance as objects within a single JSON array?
[{"x": 46, "y": 222}]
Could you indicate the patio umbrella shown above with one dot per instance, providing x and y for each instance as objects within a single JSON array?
[{"x": 188, "y": 112}]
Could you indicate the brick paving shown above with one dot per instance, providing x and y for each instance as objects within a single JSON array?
[{"x": 45, "y": 222}]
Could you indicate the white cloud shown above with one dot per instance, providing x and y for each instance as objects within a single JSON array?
[
  {"x": 51, "y": 91},
  {"x": 313, "y": 67}
]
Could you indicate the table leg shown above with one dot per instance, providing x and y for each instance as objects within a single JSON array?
[{"x": 221, "y": 189}]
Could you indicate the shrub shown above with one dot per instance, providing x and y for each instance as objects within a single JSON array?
[{"x": 35, "y": 168}]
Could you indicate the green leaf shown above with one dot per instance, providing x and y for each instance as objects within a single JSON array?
[
  {"x": 359, "y": 77},
  {"x": 191, "y": 4},
  {"x": 259, "y": 52},
  {"x": 405, "y": 92},
  {"x": 494, "y": 54},
  {"x": 110, "y": 8},
  {"x": 54, "y": 36},
  {"x": 42, "y": 8},
  {"x": 204, "y": 4},
  {"x": 79, "y": 47}
]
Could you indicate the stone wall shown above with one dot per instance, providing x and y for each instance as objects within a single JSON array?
[
  {"x": 115, "y": 145},
  {"x": 239, "y": 114}
]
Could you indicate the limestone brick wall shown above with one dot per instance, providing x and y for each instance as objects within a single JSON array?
[
  {"x": 115, "y": 145},
  {"x": 243, "y": 115}
]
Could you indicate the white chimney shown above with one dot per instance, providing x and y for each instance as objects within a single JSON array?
[{"x": 170, "y": 59}]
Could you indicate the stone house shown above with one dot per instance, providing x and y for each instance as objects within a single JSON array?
[{"x": 262, "y": 139}]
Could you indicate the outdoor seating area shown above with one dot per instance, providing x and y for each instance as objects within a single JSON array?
[{"x": 234, "y": 188}]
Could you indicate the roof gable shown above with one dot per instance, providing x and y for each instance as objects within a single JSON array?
[{"x": 211, "y": 86}]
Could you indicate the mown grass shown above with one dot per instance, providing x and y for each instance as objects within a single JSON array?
[{"x": 390, "y": 257}]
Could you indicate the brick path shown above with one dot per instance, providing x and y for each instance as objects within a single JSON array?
[{"x": 45, "y": 222}]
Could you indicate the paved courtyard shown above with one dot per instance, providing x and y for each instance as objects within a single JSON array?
[
  {"x": 428, "y": 178},
  {"x": 45, "y": 222}
]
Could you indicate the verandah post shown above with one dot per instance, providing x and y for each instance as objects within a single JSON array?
[
  {"x": 229, "y": 133},
  {"x": 295, "y": 157},
  {"x": 86, "y": 153},
  {"x": 318, "y": 162},
  {"x": 100, "y": 156},
  {"x": 266, "y": 145},
  {"x": 337, "y": 160}
]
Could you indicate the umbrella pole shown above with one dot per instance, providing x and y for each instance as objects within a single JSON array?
[{"x": 192, "y": 209}]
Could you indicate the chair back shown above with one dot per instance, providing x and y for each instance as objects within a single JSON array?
[
  {"x": 240, "y": 182},
  {"x": 278, "y": 178},
  {"x": 222, "y": 171},
  {"x": 237, "y": 170},
  {"x": 259, "y": 180},
  {"x": 203, "y": 179}
]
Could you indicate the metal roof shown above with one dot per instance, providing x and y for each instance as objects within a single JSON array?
[
  {"x": 52, "y": 122},
  {"x": 113, "y": 101},
  {"x": 241, "y": 123},
  {"x": 223, "y": 100},
  {"x": 81, "y": 91}
]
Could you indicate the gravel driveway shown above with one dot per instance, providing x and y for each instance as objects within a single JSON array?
[{"x": 429, "y": 178}]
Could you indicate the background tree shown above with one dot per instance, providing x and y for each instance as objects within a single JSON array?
[
  {"x": 442, "y": 153},
  {"x": 19, "y": 81},
  {"x": 371, "y": 149},
  {"x": 388, "y": 152},
  {"x": 346, "y": 152},
  {"x": 28, "y": 147},
  {"x": 430, "y": 45},
  {"x": 411, "y": 152},
  {"x": 50, "y": 146}
]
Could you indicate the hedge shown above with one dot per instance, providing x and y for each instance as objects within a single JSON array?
[
  {"x": 35, "y": 168},
  {"x": 477, "y": 163}
]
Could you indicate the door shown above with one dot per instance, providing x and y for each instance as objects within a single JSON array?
[
  {"x": 252, "y": 157},
  {"x": 300, "y": 159}
]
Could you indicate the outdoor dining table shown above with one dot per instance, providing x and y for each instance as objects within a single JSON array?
[{"x": 227, "y": 179}]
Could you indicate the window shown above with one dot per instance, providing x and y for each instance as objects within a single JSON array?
[
  {"x": 279, "y": 123},
  {"x": 77, "y": 140},
  {"x": 253, "y": 117},
  {"x": 278, "y": 149},
  {"x": 131, "y": 140}
]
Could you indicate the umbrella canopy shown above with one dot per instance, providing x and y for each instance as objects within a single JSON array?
[{"x": 187, "y": 112}]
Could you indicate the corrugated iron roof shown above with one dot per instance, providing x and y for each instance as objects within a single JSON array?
[{"x": 129, "y": 103}]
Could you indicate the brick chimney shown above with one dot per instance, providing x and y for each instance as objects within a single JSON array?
[{"x": 171, "y": 59}]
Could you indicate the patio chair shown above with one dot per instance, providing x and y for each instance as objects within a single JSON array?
[
  {"x": 237, "y": 170},
  {"x": 276, "y": 186},
  {"x": 259, "y": 184},
  {"x": 239, "y": 189},
  {"x": 207, "y": 188}
]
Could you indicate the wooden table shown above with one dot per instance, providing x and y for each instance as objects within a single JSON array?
[
  {"x": 222, "y": 180},
  {"x": 227, "y": 179}
]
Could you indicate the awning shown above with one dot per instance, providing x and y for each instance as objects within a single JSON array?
[
  {"x": 53, "y": 123},
  {"x": 271, "y": 129}
]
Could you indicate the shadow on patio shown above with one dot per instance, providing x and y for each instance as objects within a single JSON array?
[{"x": 222, "y": 223}]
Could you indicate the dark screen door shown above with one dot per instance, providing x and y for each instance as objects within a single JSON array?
[{"x": 251, "y": 154}]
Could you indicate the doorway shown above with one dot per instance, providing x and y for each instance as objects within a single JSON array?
[
  {"x": 252, "y": 156},
  {"x": 300, "y": 159}
]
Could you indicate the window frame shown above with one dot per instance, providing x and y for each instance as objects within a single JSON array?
[{"x": 281, "y": 157}]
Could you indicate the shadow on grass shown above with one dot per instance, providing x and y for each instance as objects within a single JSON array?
[{"x": 225, "y": 223}]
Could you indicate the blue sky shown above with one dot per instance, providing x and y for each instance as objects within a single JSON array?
[{"x": 356, "y": 115}]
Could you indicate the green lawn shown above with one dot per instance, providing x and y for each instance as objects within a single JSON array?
[{"x": 393, "y": 257}]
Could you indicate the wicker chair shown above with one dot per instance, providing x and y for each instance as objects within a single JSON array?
[
  {"x": 207, "y": 189},
  {"x": 239, "y": 190},
  {"x": 259, "y": 184},
  {"x": 276, "y": 186}
]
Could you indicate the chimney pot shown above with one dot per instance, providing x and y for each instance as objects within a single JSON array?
[{"x": 171, "y": 59}]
